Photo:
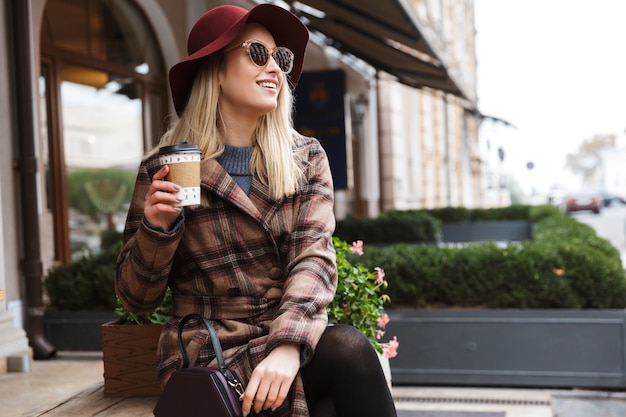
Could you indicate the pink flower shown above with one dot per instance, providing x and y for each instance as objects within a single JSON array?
[
  {"x": 379, "y": 334},
  {"x": 357, "y": 247},
  {"x": 383, "y": 320},
  {"x": 379, "y": 273},
  {"x": 391, "y": 348}
]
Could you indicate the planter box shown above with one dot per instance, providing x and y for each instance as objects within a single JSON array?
[
  {"x": 129, "y": 355},
  {"x": 533, "y": 348},
  {"x": 76, "y": 330},
  {"x": 497, "y": 231}
]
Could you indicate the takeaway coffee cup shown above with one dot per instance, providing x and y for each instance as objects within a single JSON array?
[{"x": 184, "y": 162}]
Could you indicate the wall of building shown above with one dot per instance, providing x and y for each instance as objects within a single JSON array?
[
  {"x": 412, "y": 148},
  {"x": 428, "y": 139},
  {"x": 8, "y": 237},
  {"x": 13, "y": 340}
]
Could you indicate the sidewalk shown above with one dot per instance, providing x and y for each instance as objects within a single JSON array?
[
  {"x": 75, "y": 374},
  {"x": 48, "y": 382}
]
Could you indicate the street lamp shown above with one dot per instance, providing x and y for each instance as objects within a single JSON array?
[{"x": 359, "y": 106}]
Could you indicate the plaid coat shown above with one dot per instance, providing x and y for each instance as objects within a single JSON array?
[{"x": 262, "y": 270}]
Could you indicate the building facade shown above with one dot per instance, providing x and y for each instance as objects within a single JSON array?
[
  {"x": 84, "y": 94},
  {"x": 429, "y": 138}
]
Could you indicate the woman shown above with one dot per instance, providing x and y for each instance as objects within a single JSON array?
[{"x": 256, "y": 256}]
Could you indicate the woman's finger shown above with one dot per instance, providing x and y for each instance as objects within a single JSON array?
[
  {"x": 249, "y": 394},
  {"x": 162, "y": 206},
  {"x": 162, "y": 173},
  {"x": 276, "y": 395},
  {"x": 159, "y": 183},
  {"x": 261, "y": 395}
]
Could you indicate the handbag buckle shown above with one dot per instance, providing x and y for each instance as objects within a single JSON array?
[{"x": 238, "y": 387}]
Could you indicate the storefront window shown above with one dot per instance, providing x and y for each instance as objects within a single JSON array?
[
  {"x": 102, "y": 135},
  {"x": 110, "y": 87}
]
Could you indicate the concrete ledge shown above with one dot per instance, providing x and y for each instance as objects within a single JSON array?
[{"x": 471, "y": 402}]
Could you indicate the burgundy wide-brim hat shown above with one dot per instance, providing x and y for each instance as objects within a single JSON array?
[{"x": 218, "y": 27}]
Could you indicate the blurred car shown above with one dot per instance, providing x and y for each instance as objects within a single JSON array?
[{"x": 584, "y": 201}]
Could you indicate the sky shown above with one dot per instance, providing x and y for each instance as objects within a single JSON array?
[{"x": 556, "y": 70}]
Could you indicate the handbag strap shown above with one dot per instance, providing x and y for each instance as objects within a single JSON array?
[
  {"x": 217, "y": 347},
  {"x": 232, "y": 379}
]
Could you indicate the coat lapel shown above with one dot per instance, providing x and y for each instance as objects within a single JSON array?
[{"x": 258, "y": 204}]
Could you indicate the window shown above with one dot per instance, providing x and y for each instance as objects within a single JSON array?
[{"x": 103, "y": 92}]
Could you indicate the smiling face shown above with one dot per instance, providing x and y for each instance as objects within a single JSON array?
[{"x": 247, "y": 90}]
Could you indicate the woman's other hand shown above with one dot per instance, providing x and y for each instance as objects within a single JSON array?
[
  {"x": 160, "y": 208},
  {"x": 271, "y": 379}
]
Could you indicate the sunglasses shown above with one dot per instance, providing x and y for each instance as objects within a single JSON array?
[{"x": 260, "y": 54}]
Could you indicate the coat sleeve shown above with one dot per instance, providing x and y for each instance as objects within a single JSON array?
[
  {"x": 145, "y": 261},
  {"x": 312, "y": 271}
]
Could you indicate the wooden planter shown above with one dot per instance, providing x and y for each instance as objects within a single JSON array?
[{"x": 129, "y": 354}]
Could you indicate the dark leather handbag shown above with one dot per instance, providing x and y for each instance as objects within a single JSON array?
[{"x": 200, "y": 390}]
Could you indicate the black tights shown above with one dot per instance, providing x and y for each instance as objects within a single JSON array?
[{"x": 344, "y": 378}]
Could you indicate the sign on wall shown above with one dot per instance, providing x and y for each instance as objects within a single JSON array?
[{"x": 320, "y": 113}]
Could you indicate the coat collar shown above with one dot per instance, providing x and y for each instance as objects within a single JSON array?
[{"x": 259, "y": 204}]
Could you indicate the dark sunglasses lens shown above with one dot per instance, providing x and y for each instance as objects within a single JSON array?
[
  {"x": 258, "y": 54},
  {"x": 284, "y": 59}
]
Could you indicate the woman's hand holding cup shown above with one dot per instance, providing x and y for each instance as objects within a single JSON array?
[{"x": 162, "y": 206}]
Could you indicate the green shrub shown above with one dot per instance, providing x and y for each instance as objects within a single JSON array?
[
  {"x": 538, "y": 213},
  {"x": 88, "y": 283},
  {"x": 423, "y": 226},
  {"x": 159, "y": 316},
  {"x": 389, "y": 227},
  {"x": 84, "y": 284},
  {"x": 566, "y": 266},
  {"x": 591, "y": 265},
  {"x": 450, "y": 214},
  {"x": 463, "y": 214},
  {"x": 513, "y": 212}
]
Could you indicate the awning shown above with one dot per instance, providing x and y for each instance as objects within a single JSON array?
[{"x": 381, "y": 33}]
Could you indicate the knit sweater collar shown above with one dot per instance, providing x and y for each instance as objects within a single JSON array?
[{"x": 236, "y": 160}]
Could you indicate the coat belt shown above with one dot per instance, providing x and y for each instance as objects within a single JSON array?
[{"x": 222, "y": 308}]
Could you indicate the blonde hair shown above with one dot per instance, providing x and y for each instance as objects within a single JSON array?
[{"x": 274, "y": 159}]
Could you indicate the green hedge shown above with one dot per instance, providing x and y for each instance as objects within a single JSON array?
[
  {"x": 566, "y": 266},
  {"x": 420, "y": 226},
  {"x": 462, "y": 214},
  {"x": 397, "y": 226},
  {"x": 85, "y": 284}
]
